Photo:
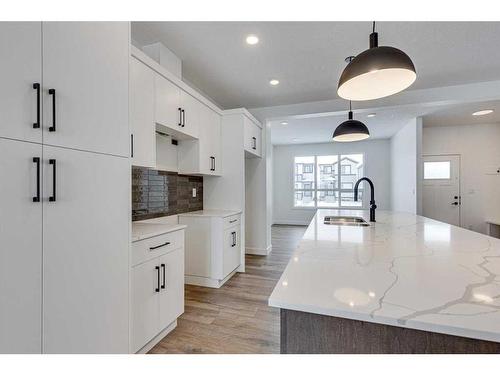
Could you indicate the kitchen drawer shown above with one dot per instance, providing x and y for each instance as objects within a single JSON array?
[
  {"x": 231, "y": 251},
  {"x": 232, "y": 221},
  {"x": 153, "y": 247}
]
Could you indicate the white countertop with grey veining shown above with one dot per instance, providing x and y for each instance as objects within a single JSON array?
[{"x": 404, "y": 270}]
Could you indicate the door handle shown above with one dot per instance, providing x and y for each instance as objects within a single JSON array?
[
  {"x": 233, "y": 234},
  {"x": 157, "y": 289},
  {"x": 454, "y": 204},
  {"x": 36, "y": 124},
  {"x": 183, "y": 118},
  {"x": 180, "y": 116},
  {"x": 37, "y": 197},
  {"x": 53, "y": 93},
  {"x": 163, "y": 268},
  {"x": 53, "y": 163},
  {"x": 131, "y": 145},
  {"x": 157, "y": 247},
  {"x": 214, "y": 163},
  {"x": 254, "y": 143}
]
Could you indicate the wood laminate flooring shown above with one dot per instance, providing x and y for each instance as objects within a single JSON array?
[{"x": 236, "y": 318}]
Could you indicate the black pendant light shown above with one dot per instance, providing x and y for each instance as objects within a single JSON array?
[
  {"x": 351, "y": 130},
  {"x": 376, "y": 72}
]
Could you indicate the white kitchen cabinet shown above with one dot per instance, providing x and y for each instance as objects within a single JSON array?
[
  {"x": 190, "y": 108},
  {"x": 20, "y": 249},
  {"x": 145, "y": 311},
  {"x": 253, "y": 138},
  {"x": 168, "y": 110},
  {"x": 213, "y": 247},
  {"x": 157, "y": 297},
  {"x": 202, "y": 156},
  {"x": 20, "y": 111},
  {"x": 85, "y": 252},
  {"x": 142, "y": 106},
  {"x": 85, "y": 77}
]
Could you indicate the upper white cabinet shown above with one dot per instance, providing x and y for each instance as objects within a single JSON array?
[
  {"x": 168, "y": 111},
  {"x": 202, "y": 156},
  {"x": 21, "y": 80},
  {"x": 20, "y": 247},
  {"x": 190, "y": 108},
  {"x": 85, "y": 86},
  {"x": 142, "y": 107},
  {"x": 253, "y": 138}
]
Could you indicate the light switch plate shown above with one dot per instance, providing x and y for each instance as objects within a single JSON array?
[{"x": 194, "y": 192}]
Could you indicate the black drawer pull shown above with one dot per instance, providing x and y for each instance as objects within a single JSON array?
[
  {"x": 53, "y": 163},
  {"x": 157, "y": 289},
  {"x": 53, "y": 93},
  {"x": 37, "y": 197},
  {"x": 233, "y": 234},
  {"x": 180, "y": 116},
  {"x": 233, "y": 221},
  {"x": 254, "y": 143},
  {"x": 163, "y": 268},
  {"x": 157, "y": 247},
  {"x": 36, "y": 124},
  {"x": 183, "y": 118}
]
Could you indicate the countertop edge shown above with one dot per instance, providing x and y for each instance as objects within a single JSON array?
[{"x": 159, "y": 232}]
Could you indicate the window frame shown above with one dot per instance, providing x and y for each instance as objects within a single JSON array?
[{"x": 315, "y": 192}]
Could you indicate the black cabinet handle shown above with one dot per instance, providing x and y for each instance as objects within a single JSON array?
[
  {"x": 53, "y": 93},
  {"x": 214, "y": 164},
  {"x": 233, "y": 221},
  {"x": 53, "y": 163},
  {"x": 37, "y": 197},
  {"x": 157, "y": 289},
  {"x": 183, "y": 118},
  {"x": 36, "y": 124},
  {"x": 131, "y": 145},
  {"x": 157, "y": 247},
  {"x": 233, "y": 234},
  {"x": 180, "y": 116},
  {"x": 163, "y": 284},
  {"x": 254, "y": 143}
]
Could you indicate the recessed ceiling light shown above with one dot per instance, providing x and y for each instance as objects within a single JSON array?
[
  {"x": 274, "y": 82},
  {"x": 371, "y": 115},
  {"x": 284, "y": 123},
  {"x": 252, "y": 39},
  {"x": 295, "y": 139},
  {"x": 483, "y": 112}
]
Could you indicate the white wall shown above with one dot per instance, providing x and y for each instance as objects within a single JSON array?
[
  {"x": 479, "y": 149},
  {"x": 377, "y": 167},
  {"x": 404, "y": 160}
]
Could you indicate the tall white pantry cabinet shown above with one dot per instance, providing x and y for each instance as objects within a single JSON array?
[{"x": 64, "y": 187}]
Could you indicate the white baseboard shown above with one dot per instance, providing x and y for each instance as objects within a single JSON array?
[
  {"x": 258, "y": 251},
  {"x": 146, "y": 348},
  {"x": 291, "y": 222},
  {"x": 206, "y": 281}
]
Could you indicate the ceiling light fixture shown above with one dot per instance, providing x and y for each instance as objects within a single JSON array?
[
  {"x": 284, "y": 123},
  {"x": 252, "y": 39},
  {"x": 371, "y": 115},
  {"x": 483, "y": 112},
  {"x": 274, "y": 82},
  {"x": 295, "y": 139},
  {"x": 376, "y": 72},
  {"x": 351, "y": 130}
]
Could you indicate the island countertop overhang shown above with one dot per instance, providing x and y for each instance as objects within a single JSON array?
[{"x": 404, "y": 270}]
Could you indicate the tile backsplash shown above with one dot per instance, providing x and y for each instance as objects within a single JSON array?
[{"x": 159, "y": 193}]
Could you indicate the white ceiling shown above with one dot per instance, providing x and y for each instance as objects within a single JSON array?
[
  {"x": 462, "y": 115},
  {"x": 308, "y": 57}
]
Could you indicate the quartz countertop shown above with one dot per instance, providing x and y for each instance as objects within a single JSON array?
[
  {"x": 141, "y": 230},
  {"x": 211, "y": 213},
  {"x": 404, "y": 270}
]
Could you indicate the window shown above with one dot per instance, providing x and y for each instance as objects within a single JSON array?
[
  {"x": 437, "y": 170},
  {"x": 319, "y": 181}
]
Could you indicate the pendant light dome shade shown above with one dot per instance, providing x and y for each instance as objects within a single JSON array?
[
  {"x": 350, "y": 131},
  {"x": 376, "y": 73}
]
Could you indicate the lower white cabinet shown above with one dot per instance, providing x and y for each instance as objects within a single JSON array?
[
  {"x": 157, "y": 293},
  {"x": 213, "y": 247}
]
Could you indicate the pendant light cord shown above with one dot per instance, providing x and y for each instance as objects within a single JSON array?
[
  {"x": 373, "y": 26},
  {"x": 350, "y": 108}
]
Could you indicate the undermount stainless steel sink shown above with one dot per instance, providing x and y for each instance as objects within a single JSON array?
[{"x": 346, "y": 220}]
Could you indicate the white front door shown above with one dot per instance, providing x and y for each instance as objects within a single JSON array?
[{"x": 441, "y": 188}]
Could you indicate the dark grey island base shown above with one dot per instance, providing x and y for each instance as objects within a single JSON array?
[{"x": 306, "y": 333}]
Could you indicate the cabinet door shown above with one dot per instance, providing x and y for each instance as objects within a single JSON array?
[
  {"x": 145, "y": 303},
  {"x": 86, "y": 63},
  {"x": 205, "y": 141},
  {"x": 172, "y": 287},
  {"x": 86, "y": 241},
  {"x": 257, "y": 141},
  {"x": 248, "y": 134},
  {"x": 142, "y": 114},
  {"x": 20, "y": 249},
  {"x": 191, "y": 114},
  {"x": 232, "y": 248},
  {"x": 215, "y": 141},
  {"x": 167, "y": 103},
  {"x": 21, "y": 43}
]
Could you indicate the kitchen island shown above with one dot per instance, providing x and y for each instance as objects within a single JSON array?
[{"x": 405, "y": 284}]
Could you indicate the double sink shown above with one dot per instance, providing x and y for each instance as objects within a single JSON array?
[{"x": 346, "y": 220}]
